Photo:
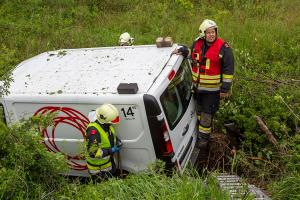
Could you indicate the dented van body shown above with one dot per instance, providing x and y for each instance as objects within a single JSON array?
[{"x": 150, "y": 87}]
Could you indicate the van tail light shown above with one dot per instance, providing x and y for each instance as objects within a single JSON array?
[
  {"x": 167, "y": 140},
  {"x": 171, "y": 74}
]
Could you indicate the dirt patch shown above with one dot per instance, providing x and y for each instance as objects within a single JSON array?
[{"x": 216, "y": 156}]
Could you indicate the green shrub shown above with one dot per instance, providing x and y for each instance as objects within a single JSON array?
[{"x": 28, "y": 170}]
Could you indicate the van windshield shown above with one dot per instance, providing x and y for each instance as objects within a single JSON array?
[{"x": 176, "y": 98}]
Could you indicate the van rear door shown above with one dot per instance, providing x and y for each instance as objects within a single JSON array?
[{"x": 179, "y": 109}]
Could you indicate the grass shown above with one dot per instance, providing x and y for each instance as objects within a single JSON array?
[{"x": 147, "y": 185}]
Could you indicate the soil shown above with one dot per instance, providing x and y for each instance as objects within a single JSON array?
[{"x": 216, "y": 155}]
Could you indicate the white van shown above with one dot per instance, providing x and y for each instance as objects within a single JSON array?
[{"x": 150, "y": 87}]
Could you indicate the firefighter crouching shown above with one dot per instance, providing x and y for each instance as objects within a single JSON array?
[
  {"x": 212, "y": 69},
  {"x": 102, "y": 142}
]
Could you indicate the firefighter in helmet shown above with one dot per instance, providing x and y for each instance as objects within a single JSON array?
[
  {"x": 102, "y": 142},
  {"x": 125, "y": 39},
  {"x": 212, "y": 69}
]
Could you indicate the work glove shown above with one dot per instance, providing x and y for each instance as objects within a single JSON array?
[
  {"x": 115, "y": 149},
  {"x": 183, "y": 51}
]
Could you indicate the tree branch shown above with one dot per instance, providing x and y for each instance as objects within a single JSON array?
[{"x": 269, "y": 134}]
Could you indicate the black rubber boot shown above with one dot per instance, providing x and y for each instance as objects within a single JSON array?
[{"x": 202, "y": 140}]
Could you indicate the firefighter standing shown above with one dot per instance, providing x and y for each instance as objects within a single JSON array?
[
  {"x": 212, "y": 69},
  {"x": 102, "y": 142}
]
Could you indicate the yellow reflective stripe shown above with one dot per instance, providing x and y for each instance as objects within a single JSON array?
[
  {"x": 210, "y": 76},
  {"x": 195, "y": 74},
  {"x": 207, "y": 64},
  {"x": 208, "y": 89},
  {"x": 227, "y": 80},
  {"x": 94, "y": 160},
  {"x": 210, "y": 85},
  {"x": 199, "y": 117},
  {"x": 102, "y": 167},
  {"x": 209, "y": 81},
  {"x": 227, "y": 76},
  {"x": 204, "y": 129},
  {"x": 195, "y": 77}
]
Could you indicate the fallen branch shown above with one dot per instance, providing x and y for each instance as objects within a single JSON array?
[
  {"x": 266, "y": 130},
  {"x": 260, "y": 159},
  {"x": 269, "y": 134}
]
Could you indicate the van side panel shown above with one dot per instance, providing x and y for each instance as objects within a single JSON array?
[{"x": 67, "y": 134}]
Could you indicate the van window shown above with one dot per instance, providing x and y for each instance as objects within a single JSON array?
[{"x": 176, "y": 98}]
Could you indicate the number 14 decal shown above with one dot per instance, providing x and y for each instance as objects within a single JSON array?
[{"x": 128, "y": 112}]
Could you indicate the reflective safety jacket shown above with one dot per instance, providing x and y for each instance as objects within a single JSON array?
[
  {"x": 96, "y": 159},
  {"x": 208, "y": 69}
]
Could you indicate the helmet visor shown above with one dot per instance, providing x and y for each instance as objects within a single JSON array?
[{"x": 116, "y": 120}]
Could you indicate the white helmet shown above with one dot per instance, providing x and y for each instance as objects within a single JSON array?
[
  {"x": 125, "y": 39},
  {"x": 206, "y": 24},
  {"x": 107, "y": 114}
]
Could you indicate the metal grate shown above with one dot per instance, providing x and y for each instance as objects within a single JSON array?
[{"x": 238, "y": 189}]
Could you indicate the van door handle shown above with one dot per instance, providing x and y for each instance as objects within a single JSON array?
[{"x": 185, "y": 130}]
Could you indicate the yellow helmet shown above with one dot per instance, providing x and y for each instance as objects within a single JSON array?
[
  {"x": 107, "y": 114},
  {"x": 125, "y": 39},
  {"x": 206, "y": 24}
]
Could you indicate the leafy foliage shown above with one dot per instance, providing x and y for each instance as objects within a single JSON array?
[{"x": 27, "y": 170}]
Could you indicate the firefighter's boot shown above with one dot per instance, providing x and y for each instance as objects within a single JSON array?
[{"x": 202, "y": 140}]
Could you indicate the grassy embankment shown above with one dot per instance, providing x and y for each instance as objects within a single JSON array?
[{"x": 265, "y": 36}]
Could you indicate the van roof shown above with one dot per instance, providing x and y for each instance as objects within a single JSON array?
[{"x": 90, "y": 71}]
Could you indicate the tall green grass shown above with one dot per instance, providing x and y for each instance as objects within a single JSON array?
[{"x": 148, "y": 185}]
